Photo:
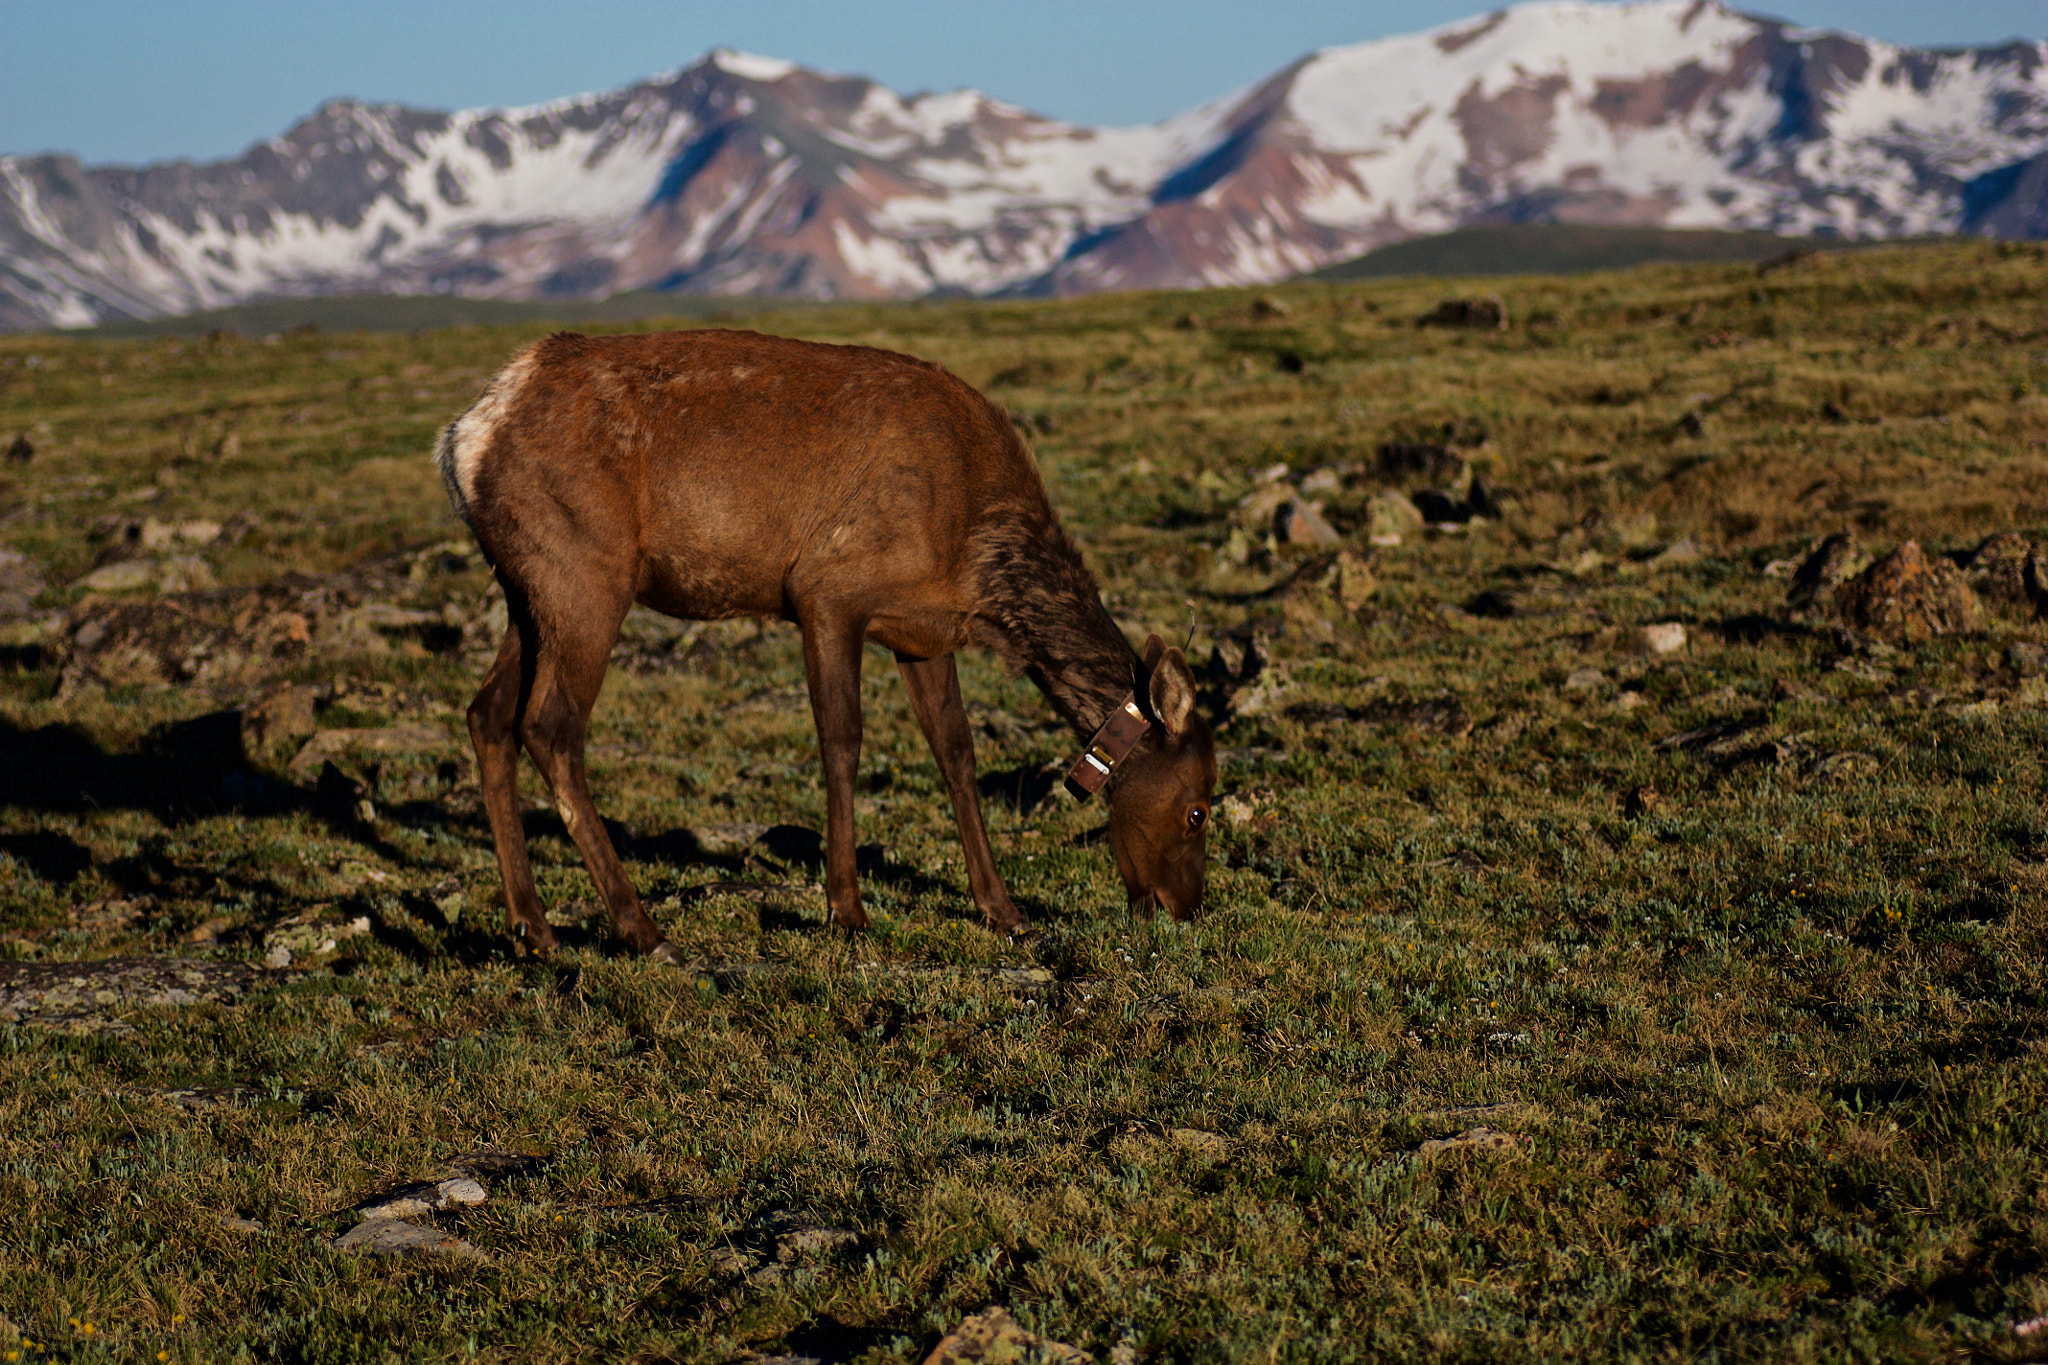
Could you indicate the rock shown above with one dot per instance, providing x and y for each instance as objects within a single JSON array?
[
  {"x": 1585, "y": 680},
  {"x": 1663, "y": 637},
  {"x": 1997, "y": 570},
  {"x": 1199, "y": 1141},
  {"x": 1389, "y": 517},
  {"x": 1266, "y": 309},
  {"x": 1677, "y": 554},
  {"x": 281, "y": 718},
  {"x": 416, "y": 1201},
  {"x": 1351, "y": 581},
  {"x": 21, "y": 450},
  {"x": 1329, "y": 479},
  {"x": 1638, "y": 532},
  {"x": 396, "y": 1237},
  {"x": 992, "y": 1336},
  {"x": 733, "y": 838},
  {"x": 235, "y": 1224},
  {"x": 84, "y": 997},
  {"x": 21, "y": 583},
  {"x": 814, "y": 1244},
  {"x": 1300, "y": 525},
  {"x": 1642, "y": 801},
  {"x": 1420, "y": 463},
  {"x": 1486, "y": 499},
  {"x": 1907, "y": 596},
  {"x": 1488, "y": 314},
  {"x": 310, "y": 935},
  {"x": 1441, "y": 509},
  {"x": 123, "y": 575},
  {"x": 1475, "y": 1139},
  {"x": 2026, "y": 658},
  {"x": 163, "y": 535},
  {"x": 1834, "y": 562},
  {"x": 278, "y": 958},
  {"x": 1256, "y": 509},
  {"x": 1237, "y": 809}
]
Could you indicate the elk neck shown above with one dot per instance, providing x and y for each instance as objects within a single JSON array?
[{"x": 1039, "y": 608}]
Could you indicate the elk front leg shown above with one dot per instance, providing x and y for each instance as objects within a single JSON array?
[
  {"x": 934, "y": 686},
  {"x": 832, "y": 670}
]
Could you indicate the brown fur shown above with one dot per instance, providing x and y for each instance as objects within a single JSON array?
[{"x": 864, "y": 495}]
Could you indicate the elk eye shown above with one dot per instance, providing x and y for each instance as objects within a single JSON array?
[{"x": 1196, "y": 816}]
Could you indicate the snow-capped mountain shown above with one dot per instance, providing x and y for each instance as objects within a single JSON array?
[{"x": 747, "y": 175}]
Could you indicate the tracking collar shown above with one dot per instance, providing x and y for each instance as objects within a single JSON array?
[{"x": 1106, "y": 748}]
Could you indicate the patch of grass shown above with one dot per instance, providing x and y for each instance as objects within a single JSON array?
[{"x": 1769, "y": 1040}]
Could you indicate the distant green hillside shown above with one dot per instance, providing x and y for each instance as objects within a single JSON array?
[
  {"x": 419, "y": 312},
  {"x": 1557, "y": 249}
]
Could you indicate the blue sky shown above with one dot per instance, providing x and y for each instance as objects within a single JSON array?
[{"x": 147, "y": 80}]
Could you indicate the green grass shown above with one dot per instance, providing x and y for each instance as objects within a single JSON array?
[
  {"x": 1772, "y": 1048},
  {"x": 1558, "y": 248}
]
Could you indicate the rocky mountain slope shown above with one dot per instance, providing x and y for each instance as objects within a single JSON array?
[{"x": 746, "y": 175}]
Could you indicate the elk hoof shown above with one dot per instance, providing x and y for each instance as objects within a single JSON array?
[{"x": 526, "y": 944}]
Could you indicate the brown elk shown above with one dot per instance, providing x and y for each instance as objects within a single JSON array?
[{"x": 862, "y": 494}]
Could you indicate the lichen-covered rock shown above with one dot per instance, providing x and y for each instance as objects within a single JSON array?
[
  {"x": 1300, "y": 525},
  {"x": 1390, "y": 516},
  {"x": 992, "y": 1336},
  {"x": 1837, "y": 559},
  {"x": 1909, "y": 596},
  {"x": 1997, "y": 570},
  {"x": 89, "y": 997}
]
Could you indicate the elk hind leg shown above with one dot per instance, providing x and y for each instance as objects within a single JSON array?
[
  {"x": 555, "y": 725},
  {"x": 494, "y": 725},
  {"x": 934, "y": 686}
]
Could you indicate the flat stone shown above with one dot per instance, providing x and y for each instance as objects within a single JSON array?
[
  {"x": 813, "y": 1244},
  {"x": 86, "y": 996},
  {"x": 1390, "y": 516},
  {"x": 1473, "y": 1139},
  {"x": 1301, "y": 524},
  {"x": 123, "y": 575},
  {"x": 1585, "y": 680},
  {"x": 396, "y": 1237},
  {"x": 414, "y": 1201},
  {"x": 1663, "y": 637}
]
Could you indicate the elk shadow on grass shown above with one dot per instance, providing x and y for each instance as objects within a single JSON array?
[{"x": 181, "y": 772}]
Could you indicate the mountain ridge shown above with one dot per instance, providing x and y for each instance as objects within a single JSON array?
[{"x": 747, "y": 175}]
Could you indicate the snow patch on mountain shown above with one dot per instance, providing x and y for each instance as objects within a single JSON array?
[{"x": 742, "y": 173}]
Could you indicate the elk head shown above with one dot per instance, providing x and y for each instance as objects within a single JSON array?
[{"x": 1159, "y": 798}]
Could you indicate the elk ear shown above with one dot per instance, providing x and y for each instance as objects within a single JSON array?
[
  {"x": 1149, "y": 656},
  {"x": 1173, "y": 692}
]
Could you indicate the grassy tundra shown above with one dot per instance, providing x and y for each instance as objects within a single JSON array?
[{"x": 1752, "y": 1021}]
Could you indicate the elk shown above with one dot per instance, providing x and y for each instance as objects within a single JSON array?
[{"x": 863, "y": 495}]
